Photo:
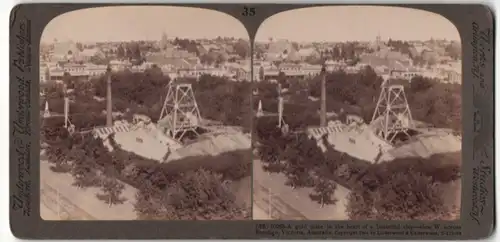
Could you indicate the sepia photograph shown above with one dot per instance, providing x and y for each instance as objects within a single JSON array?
[
  {"x": 145, "y": 114},
  {"x": 357, "y": 115}
]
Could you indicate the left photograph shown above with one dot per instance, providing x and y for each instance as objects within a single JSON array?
[{"x": 145, "y": 114}]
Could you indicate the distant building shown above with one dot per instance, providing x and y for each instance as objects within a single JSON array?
[
  {"x": 244, "y": 73},
  {"x": 177, "y": 53},
  {"x": 43, "y": 73},
  {"x": 450, "y": 72},
  {"x": 378, "y": 44},
  {"x": 117, "y": 65},
  {"x": 55, "y": 71},
  {"x": 142, "y": 67},
  {"x": 86, "y": 54},
  {"x": 161, "y": 59},
  {"x": 278, "y": 50},
  {"x": 454, "y": 77},
  {"x": 164, "y": 44},
  {"x": 290, "y": 70},
  {"x": 96, "y": 70},
  {"x": 406, "y": 75},
  {"x": 332, "y": 65},
  {"x": 64, "y": 50},
  {"x": 310, "y": 52}
]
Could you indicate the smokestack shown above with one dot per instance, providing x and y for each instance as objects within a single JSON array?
[
  {"x": 66, "y": 112},
  {"x": 109, "y": 104},
  {"x": 66, "y": 105},
  {"x": 280, "y": 106},
  {"x": 323, "y": 97}
]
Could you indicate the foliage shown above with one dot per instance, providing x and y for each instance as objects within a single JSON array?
[
  {"x": 430, "y": 101},
  {"x": 189, "y": 45},
  {"x": 91, "y": 164},
  {"x": 83, "y": 169},
  {"x": 408, "y": 196},
  {"x": 242, "y": 48},
  {"x": 223, "y": 100},
  {"x": 344, "y": 51},
  {"x": 400, "y": 46},
  {"x": 200, "y": 195},
  {"x": 405, "y": 188},
  {"x": 111, "y": 191},
  {"x": 218, "y": 98},
  {"x": 323, "y": 192},
  {"x": 454, "y": 50},
  {"x": 151, "y": 203},
  {"x": 130, "y": 51}
]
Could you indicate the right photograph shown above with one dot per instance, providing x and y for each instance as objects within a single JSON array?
[{"x": 357, "y": 115}]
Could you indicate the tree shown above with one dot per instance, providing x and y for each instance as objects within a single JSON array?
[
  {"x": 454, "y": 50},
  {"x": 85, "y": 174},
  {"x": 68, "y": 80},
  {"x": 304, "y": 164},
  {"x": 151, "y": 204},
  {"x": 56, "y": 156},
  {"x": 221, "y": 58},
  {"x": 129, "y": 53},
  {"x": 324, "y": 190},
  {"x": 79, "y": 46},
  {"x": 208, "y": 59},
  {"x": 200, "y": 195},
  {"x": 136, "y": 54},
  {"x": 81, "y": 154},
  {"x": 261, "y": 74},
  {"x": 303, "y": 158},
  {"x": 420, "y": 84},
  {"x": 281, "y": 78},
  {"x": 405, "y": 196},
  {"x": 429, "y": 57},
  {"x": 242, "y": 48},
  {"x": 111, "y": 191},
  {"x": 120, "y": 52}
]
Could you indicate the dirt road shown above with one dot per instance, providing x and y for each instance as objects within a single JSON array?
[
  {"x": 293, "y": 204},
  {"x": 259, "y": 214}
]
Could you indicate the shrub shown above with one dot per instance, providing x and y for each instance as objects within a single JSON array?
[
  {"x": 86, "y": 157},
  {"x": 405, "y": 196},
  {"x": 377, "y": 189},
  {"x": 196, "y": 195},
  {"x": 111, "y": 191}
]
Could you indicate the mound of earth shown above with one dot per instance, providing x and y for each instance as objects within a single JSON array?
[{"x": 212, "y": 145}]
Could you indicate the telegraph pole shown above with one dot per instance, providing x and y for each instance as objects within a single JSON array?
[
  {"x": 270, "y": 211},
  {"x": 269, "y": 198},
  {"x": 109, "y": 104}
]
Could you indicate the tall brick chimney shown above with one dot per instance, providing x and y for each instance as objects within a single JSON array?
[
  {"x": 109, "y": 103},
  {"x": 323, "y": 97}
]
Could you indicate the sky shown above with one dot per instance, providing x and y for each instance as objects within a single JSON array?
[
  {"x": 356, "y": 23},
  {"x": 125, "y": 23}
]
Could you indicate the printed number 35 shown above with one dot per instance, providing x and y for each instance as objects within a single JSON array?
[{"x": 248, "y": 11}]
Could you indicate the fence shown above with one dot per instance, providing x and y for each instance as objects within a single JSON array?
[
  {"x": 58, "y": 204},
  {"x": 273, "y": 205}
]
